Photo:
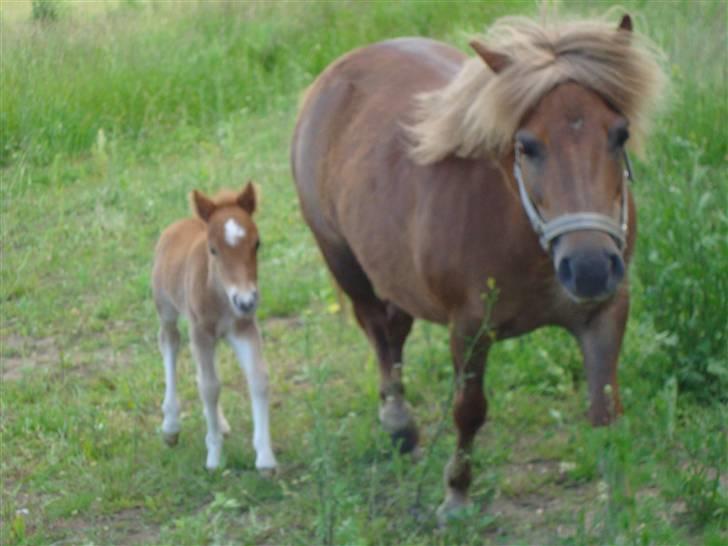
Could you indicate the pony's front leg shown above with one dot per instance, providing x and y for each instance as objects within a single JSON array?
[
  {"x": 469, "y": 343},
  {"x": 248, "y": 347},
  {"x": 600, "y": 341},
  {"x": 203, "y": 348}
]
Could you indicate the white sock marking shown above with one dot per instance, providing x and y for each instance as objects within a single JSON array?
[
  {"x": 255, "y": 371},
  {"x": 170, "y": 406}
]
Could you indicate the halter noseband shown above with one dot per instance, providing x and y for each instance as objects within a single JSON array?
[{"x": 577, "y": 221}]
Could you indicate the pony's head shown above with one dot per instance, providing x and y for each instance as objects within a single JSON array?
[
  {"x": 556, "y": 105},
  {"x": 232, "y": 245}
]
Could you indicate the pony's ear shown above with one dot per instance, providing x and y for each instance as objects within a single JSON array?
[
  {"x": 626, "y": 23},
  {"x": 246, "y": 199},
  {"x": 203, "y": 206},
  {"x": 495, "y": 60}
]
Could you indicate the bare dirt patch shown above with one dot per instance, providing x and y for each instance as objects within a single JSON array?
[{"x": 20, "y": 355}]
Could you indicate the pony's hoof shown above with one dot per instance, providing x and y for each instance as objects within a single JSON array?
[
  {"x": 171, "y": 439},
  {"x": 396, "y": 418},
  {"x": 416, "y": 454},
  {"x": 405, "y": 440},
  {"x": 453, "y": 505}
]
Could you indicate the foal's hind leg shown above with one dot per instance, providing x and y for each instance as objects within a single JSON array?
[
  {"x": 169, "y": 340},
  {"x": 203, "y": 348}
]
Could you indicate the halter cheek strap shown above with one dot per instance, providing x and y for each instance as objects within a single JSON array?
[{"x": 577, "y": 221}]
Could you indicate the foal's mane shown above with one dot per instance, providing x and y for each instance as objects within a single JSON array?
[{"x": 479, "y": 111}]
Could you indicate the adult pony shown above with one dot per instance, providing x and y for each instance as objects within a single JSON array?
[{"x": 426, "y": 176}]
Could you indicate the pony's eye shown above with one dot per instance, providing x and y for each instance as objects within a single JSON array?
[
  {"x": 528, "y": 145},
  {"x": 213, "y": 251},
  {"x": 257, "y": 245},
  {"x": 618, "y": 135}
]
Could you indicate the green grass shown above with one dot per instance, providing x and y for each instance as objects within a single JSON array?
[{"x": 109, "y": 119}]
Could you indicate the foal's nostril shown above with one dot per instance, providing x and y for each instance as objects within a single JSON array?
[
  {"x": 247, "y": 302},
  {"x": 565, "y": 272}
]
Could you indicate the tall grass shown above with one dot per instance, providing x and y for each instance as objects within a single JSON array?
[
  {"x": 148, "y": 67},
  {"x": 683, "y": 199}
]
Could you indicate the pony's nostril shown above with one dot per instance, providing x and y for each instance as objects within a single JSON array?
[
  {"x": 616, "y": 265},
  {"x": 565, "y": 271}
]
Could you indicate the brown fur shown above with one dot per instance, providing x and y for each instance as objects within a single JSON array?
[{"x": 425, "y": 239}]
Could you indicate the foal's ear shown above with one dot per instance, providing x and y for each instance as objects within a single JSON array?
[
  {"x": 247, "y": 199},
  {"x": 495, "y": 60},
  {"x": 204, "y": 207},
  {"x": 626, "y": 23}
]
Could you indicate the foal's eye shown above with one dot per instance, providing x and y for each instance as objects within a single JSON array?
[
  {"x": 257, "y": 245},
  {"x": 213, "y": 251}
]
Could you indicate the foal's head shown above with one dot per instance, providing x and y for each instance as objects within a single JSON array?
[{"x": 232, "y": 246}]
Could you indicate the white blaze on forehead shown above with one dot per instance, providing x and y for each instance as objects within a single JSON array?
[{"x": 233, "y": 232}]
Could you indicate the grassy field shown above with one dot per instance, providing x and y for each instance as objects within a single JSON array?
[{"x": 110, "y": 113}]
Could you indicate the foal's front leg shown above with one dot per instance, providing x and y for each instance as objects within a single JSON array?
[
  {"x": 248, "y": 347},
  {"x": 203, "y": 348}
]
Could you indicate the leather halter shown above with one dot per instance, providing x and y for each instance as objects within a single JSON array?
[{"x": 576, "y": 221}]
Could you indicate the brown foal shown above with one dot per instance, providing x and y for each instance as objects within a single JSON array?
[{"x": 206, "y": 269}]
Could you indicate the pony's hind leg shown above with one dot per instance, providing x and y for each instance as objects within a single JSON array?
[
  {"x": 388, "y": 333},
  {"x": 247, "y": 344},
  {"x": 169, "y": 341},
  {"x": 203, "y": 348},
  {"x": 387, "y": 328}
]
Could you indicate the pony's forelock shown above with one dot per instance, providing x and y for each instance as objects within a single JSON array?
[{"x": 478, "y": 111}]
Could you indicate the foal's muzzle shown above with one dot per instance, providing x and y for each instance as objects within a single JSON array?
[{"x": 245, "y": 303}]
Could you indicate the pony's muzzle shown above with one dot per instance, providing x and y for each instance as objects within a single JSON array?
[
  {"x": 589, "y": 273},
  {"x": 245, "y": 303}
]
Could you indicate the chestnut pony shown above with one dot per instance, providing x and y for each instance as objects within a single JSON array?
[
  {"x": 206, "y": 269},
  {"x": 426, "y": 177}
]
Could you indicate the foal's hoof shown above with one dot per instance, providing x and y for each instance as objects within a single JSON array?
[
  {"x": 267, "y": 472},
  {"x": 454, "y": 504},
  {"x": 171, "y": 438}
]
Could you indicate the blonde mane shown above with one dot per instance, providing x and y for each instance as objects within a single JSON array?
[{"x": 479, "y": 111}]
